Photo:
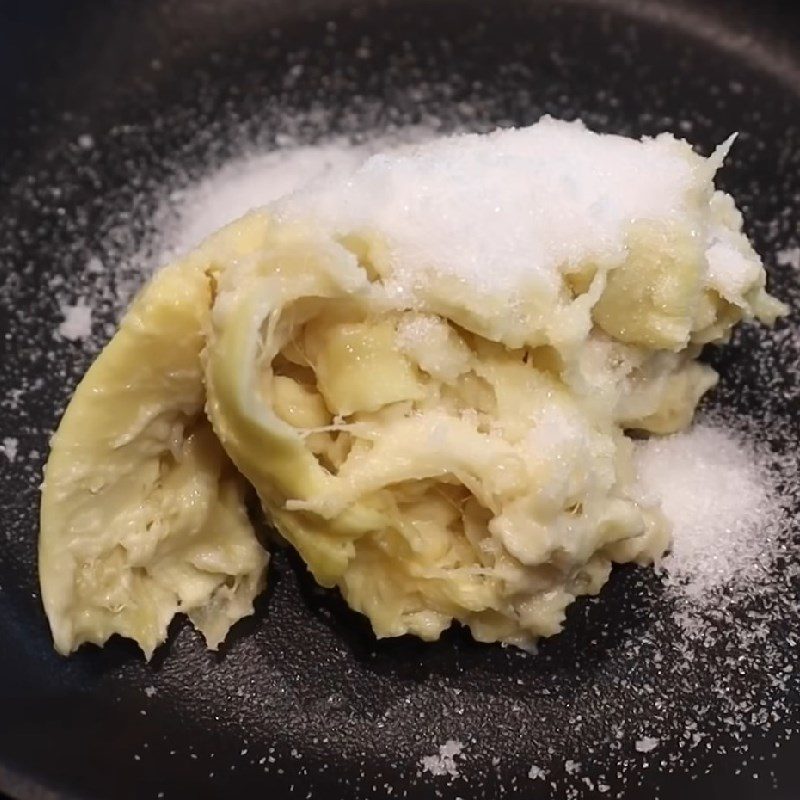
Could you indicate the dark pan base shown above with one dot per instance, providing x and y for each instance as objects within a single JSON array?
[{"x": 303, "y": 702}]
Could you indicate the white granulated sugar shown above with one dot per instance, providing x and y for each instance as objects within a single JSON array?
[
  {"x": 77, "y": 322},
  {"x": 257, "y": 180},
  {"x": 647, "y": 744},
  {"x": 790, "y": 257},
  {"x": 418, "y": 330},
  {"x": 507, "y": 209},
  {"x": 9, "y": 448},
  {"x": 535, "y": 773},
  {"x": 729, "y": 271},
  {"x": 711, "y": 488},
  {"x": 445, "y": 762}
]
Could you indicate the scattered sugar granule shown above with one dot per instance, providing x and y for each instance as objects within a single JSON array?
[
  {"x": 86, "y": 141},
  {"x": 150, "y": 691},
  {"x": 790, "y": 257},
  {"x": 9, "y": 448},
  {"x": 77, "y": 322},
  {"x": 647, "y": 743},
  {"x": 94, "y": 266},
  {"x": 711, "y": 489},
  {"x": 445, "y": 762},
  {"x": 536, "y": 773}
]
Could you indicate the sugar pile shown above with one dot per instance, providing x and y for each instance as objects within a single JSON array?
[
  {"x": 509, "y": 209},
  {"x": 250, "y": 182},
  {"x": 712, "y": 487},
  {"x": 254, "y": 180}
]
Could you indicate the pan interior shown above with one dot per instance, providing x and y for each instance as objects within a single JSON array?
[{"x": 125, "y": 106}]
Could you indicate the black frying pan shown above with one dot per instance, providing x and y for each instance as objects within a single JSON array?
[{"x": 303, "y": 701}]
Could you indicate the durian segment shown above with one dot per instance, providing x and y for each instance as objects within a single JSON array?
[{"x": 142, "y": 513}]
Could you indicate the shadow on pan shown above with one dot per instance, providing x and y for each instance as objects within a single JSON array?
[{"x": 104, "y": 105}]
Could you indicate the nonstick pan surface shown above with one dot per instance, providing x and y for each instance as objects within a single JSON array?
[{"x": 102, "y": 106}]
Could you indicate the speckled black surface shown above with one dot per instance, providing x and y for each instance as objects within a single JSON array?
[{"x": 302, "y": 701}]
